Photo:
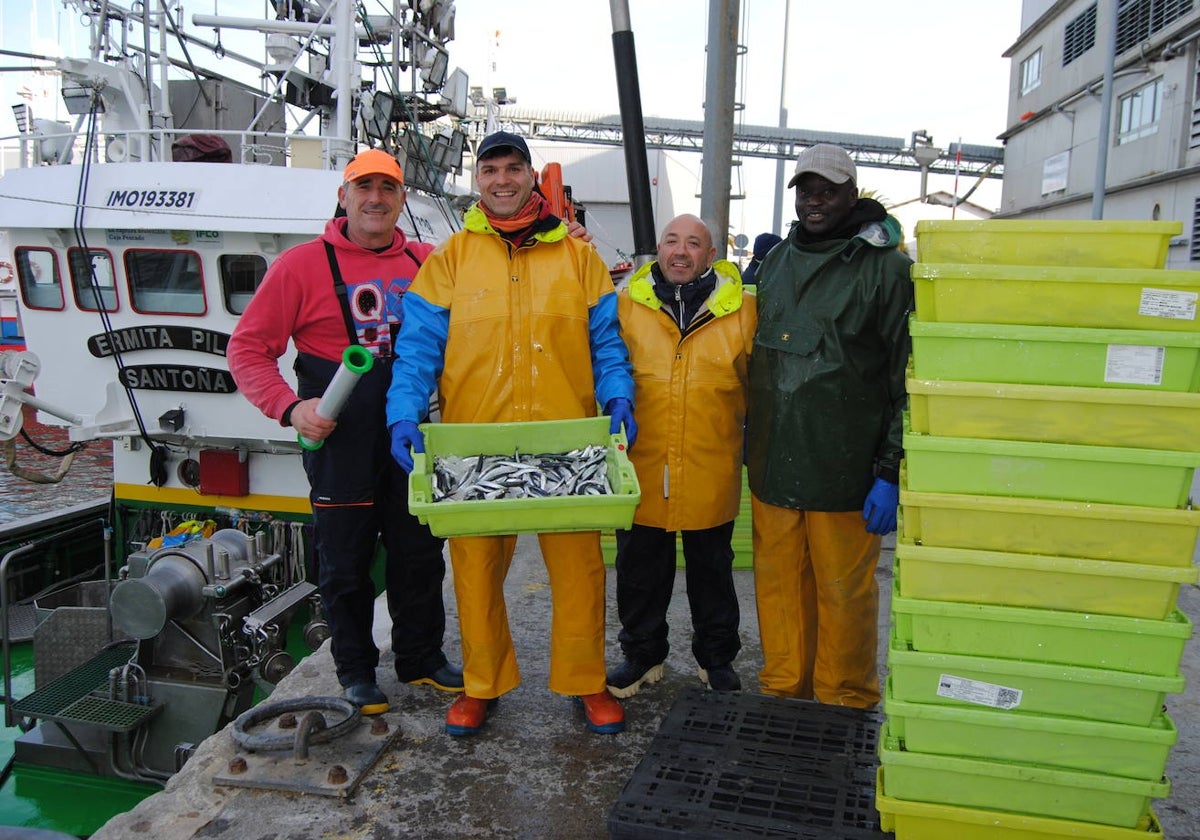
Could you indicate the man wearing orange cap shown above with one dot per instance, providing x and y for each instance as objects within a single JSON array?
[{"x": 344, "y": 288}]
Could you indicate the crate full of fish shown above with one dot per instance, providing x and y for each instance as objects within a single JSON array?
[{"x": 476, "y": 479}]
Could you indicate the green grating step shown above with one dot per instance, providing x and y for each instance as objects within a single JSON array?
[
  {"x": 112, "y": 715},
  {"x": 69, "y": 699}
]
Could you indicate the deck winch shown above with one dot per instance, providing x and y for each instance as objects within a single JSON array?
[{"x": 196, "y": 627}]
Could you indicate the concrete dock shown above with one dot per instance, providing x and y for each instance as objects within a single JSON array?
[{"x": 534, "y": 771}]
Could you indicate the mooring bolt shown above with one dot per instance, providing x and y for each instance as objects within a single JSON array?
[
  {"x": 345, "y": 720},
  {"x": 310, "y": 723},
  {"x": 337, "y": 775},
  {"x": 237, "y": 765},
  {"x": 287, "y": 721},
  {"x": 379, "y": 726}
]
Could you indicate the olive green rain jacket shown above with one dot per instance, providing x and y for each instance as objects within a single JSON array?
[{"x": 827, "y": 371}]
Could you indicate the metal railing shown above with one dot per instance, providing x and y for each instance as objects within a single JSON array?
[{"x": 23, "y": 551}]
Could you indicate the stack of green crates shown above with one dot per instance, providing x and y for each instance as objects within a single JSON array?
[{"x": 1045, "y": 531}]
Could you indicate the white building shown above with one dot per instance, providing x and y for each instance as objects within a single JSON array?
[{"x": 1055, "y": 111}]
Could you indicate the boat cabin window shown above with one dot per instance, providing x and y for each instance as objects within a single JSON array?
[
  {"x": 92, "y": 280},
  {"x": 41, "y": 284},
  {"x": 165, "y": 282},
  {"x": 240, "y": 276}
]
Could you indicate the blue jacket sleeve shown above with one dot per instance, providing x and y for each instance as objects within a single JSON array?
[
  {"x": 610, "y": 357},
  {"x": 420, "y": 355}
]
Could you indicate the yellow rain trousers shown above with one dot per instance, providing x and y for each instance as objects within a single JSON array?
[
  {"x": 576, "y": 569},
  {"x": 519, "y": 347},
  {"x": 818, "y": 604}
]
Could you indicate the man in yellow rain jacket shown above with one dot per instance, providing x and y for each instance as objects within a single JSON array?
[
  {"x": 689, "y": 328},
  {"x": 513, "y": 320}
]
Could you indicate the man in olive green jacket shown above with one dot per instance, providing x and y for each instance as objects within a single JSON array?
[{"x": 824, "y": 433}]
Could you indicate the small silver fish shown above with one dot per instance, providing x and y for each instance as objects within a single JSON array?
[{"x": 580, "y": 472}]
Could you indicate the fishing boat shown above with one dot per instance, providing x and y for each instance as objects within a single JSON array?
[{"x": 133, "y": 239}]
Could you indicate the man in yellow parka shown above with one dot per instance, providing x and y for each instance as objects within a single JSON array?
[
  {"x": 513, "y": 320},
  {"x": 689, "y": 328}
]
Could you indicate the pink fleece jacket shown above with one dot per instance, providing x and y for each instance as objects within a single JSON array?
[{"x": 296, "y": 302}]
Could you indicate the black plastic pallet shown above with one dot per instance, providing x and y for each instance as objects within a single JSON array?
[
  {"x": 800, "y": 726},
  {"x": 734, "y": 765},
  {"x": 772, "y": 758}
]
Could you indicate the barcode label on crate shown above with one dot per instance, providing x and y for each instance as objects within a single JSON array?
[
  {"x": 979, "y": 693},
  {"x": 1134, "y": 364},
  {"x": 1164, "y": 303}
]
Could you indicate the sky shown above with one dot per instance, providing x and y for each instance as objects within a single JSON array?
[{"x": 868, "y": 66}]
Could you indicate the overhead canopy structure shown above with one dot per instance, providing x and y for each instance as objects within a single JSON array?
[{"x": 757, "y": 141}]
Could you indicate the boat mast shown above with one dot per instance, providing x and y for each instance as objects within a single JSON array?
[
  {"x": 343, "y": 62},
  {"x": 344, "y": 53}
]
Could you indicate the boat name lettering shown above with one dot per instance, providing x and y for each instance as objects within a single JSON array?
[
  {"x": 168, "y": 199},
  {"x": 158, "y": 337},
  {"x": 178, "y": 378}
]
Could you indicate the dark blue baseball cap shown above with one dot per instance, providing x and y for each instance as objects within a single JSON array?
[{"x": 500, "y": 140}]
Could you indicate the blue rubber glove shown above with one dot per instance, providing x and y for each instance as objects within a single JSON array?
[
  {"x": 621, "y": 412},
  {"x": 405, "y": 434},
  {"x": 880, "y": 508}
]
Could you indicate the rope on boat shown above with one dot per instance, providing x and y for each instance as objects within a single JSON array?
[{"x": 37, "y": 477}]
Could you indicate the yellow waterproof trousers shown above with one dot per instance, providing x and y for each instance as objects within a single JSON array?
[
  {"x": 818, "y": 604},
  {"x": 576, "y": 570}
]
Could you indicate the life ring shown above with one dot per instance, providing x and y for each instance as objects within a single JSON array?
[{"x": 6, "y": 272}]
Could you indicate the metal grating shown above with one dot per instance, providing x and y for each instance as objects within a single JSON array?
[
  {"x": 1079, "y": 36},
  {"x": 50, "y": 700},
  {"x": 22, "y": 621},
  {"x": 1138, "y": 20},
  {"x": 112, "y": 715},
  {"x": 1194, "y": 250}
]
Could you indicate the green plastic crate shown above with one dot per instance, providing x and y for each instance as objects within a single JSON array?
[
  {"x": 1123, "y": 533},
  {"x": 1010, "y": 685},
  {"x": 742, "y": 541},
  {"x": 1138, "y": 418},
  {"x": 1090, "y": 243},
  {"x": 1038, "y": 581},
  {"x": 1121, "y": 298},
  {"x": 1133, "y": 752},
  {"x": 1076, "y": 356},
  {"x": 1084, "y": 639},
  {"x": 1107, "y": 474},
  {"x": 933, "y": 821},
  {"x": 517, "y": 516},
  {"x": 1023, "y": 788}
]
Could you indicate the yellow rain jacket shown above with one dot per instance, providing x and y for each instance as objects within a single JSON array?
[
  {"x": 523, "y": 333},
  {"x": 690, "y": 391}
]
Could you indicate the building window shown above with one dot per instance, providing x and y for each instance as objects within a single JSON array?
[
  {"x": 1139, "y": 112},
  {"x": 1080, "y": 35},
  {"x": 1031, "y": 72},
  {"x": 1137, "y": 20}
]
